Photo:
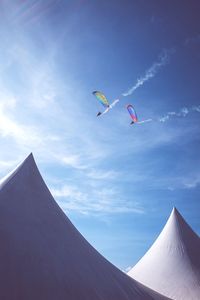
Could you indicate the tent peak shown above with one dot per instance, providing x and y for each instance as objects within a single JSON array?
[
  {"x": 174, "y": 210},
  {"x": 27, "y": 163},
  {"x": 175, "y": 214},
  {"x": 175, "y": 253},
  {"x": 37, "y": 236}
]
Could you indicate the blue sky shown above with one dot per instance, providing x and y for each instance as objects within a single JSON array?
[{"x": 116, "y": 182}]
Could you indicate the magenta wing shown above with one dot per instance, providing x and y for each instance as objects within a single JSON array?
[{"x": 132, "y": 113}]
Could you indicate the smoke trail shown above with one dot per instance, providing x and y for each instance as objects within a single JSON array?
[
  {"x": 196, "y": 108},
  {"x": 145, "y": 121},
  {"x": 151, "y": 72},
  {"x": 114, "y": 103},
  {"x": 110, "y": 107},
  {"x": 182, "y": 113}
]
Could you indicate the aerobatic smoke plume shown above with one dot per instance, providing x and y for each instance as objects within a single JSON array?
[
  {"x": 145, "y": 121},
  {"x": 196, "y": 108},
  {"x": 182, "y": 113},
  {"x": 151, "y": 72},
  {"x": 111, "y": 106}
]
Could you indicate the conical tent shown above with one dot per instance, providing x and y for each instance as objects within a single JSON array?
[
  {"x": 43, "y": 256},
  {"x": 172, "y": 264}
]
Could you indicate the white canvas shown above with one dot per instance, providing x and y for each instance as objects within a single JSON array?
[
  {"x": 172, "y": 264},
  {"x": 44, "y": 257}
]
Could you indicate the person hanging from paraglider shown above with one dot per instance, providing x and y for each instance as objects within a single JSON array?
[{"x": 103, "y": 100}]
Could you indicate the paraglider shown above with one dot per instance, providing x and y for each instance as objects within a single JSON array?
[
  {"x": 103, "y": 100},
  {"x": 132, "y": 113}
]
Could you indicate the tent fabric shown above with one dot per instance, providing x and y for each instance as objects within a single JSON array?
[
  {"x": 44, "y": 257},
  {"x": 172, "y": 264}
]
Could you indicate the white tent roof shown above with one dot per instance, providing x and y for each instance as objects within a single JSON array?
[
  {"x": 172, "y": 264},
  {"x": 44, "y": 257}
]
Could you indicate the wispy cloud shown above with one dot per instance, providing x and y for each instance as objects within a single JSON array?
[
  {"x": 10, "y": 127},
  {"x": 152, "y": 71},
  {"x": 68, "y": 191},
  {"x": 192, "y": 183},
  {"x": 48, "y": 117},
  {"x": 73, "y": 161},
  {"x": 176, "y": 182},
  {"x": 186, "y": 182},
  {"x": 99, "y": 175},
  {"x": 40, "y": 118},
  {"x": 28, "y": 12},
  {"x": 97, "y": 201},
  {"x": 7, "y": 165}
]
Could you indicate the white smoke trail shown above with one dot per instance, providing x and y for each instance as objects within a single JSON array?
[
  {"x": 145, "y": 121},
  {"x": 182, "y": 113},
  {"x": 110, "y": 107},
  {"x": 114, "y": 103},
  {"x": 196, "y": 108},
  {"x": 151, "y": 72}
]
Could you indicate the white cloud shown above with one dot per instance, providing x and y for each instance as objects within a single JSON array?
[
  {"x": 191, "y": 182},
  {"x": 94, "y": 201},
  {"x": 178, "y": 182},
  {"x": 102, "y": 175},
  {"x": 6, "y": 165},
  {"x": 192, "y": 185},
  {"x": 48, "y": 117},
  {"x": 68, "y": 191},
  {"x": 72, "y": 161},
  {"x": 9, "y": 127}
]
